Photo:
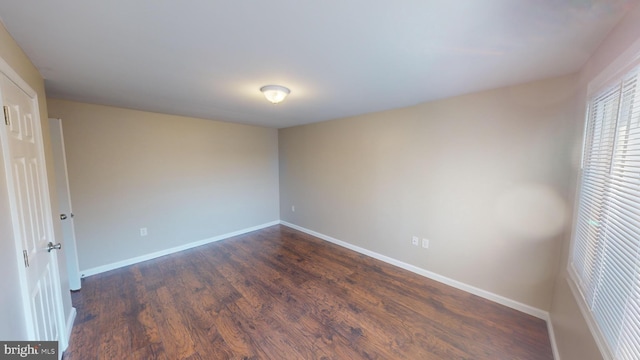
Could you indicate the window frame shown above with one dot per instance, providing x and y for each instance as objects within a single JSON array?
[{"x": 609, "y": 77}]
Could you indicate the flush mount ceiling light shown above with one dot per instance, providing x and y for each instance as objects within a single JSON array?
[{"x": 275, "y": 93}]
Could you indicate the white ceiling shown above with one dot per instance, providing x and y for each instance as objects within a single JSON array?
[{"x": 208, "y": 58}]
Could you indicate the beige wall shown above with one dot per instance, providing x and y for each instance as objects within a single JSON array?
[
  {"x": 12, "y": 326},
  {"x": 483, "y": 176},
  {"x": 572, "y": 334},
  {"x": 184, "y": 179},
  {"x": 461, "y": 172}
]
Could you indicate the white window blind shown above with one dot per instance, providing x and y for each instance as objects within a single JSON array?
[{"x": 605, "y": 257}]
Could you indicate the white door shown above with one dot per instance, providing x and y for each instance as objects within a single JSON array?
[
  {"x": 22, "y": 148},
  {"x": 64, "y": 203}
]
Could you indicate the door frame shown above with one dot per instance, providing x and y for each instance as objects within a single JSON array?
[{"x": 12, "y": 75}]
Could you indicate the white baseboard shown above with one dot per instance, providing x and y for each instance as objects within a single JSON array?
[
  {"x": 69, "y": 327},
  {"x": 552, "y": 337},
  {"x": 527, "y": 309},
  {"x": 137, "y": 259}
]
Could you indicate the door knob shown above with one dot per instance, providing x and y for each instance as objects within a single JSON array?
[
  {"x": 51, "y": 246},
  {"x": 63, "y": 216}
]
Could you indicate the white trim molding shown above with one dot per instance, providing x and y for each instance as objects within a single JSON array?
[
  {"x": 69, "y": 326},
  {"x": 138, "y": 259},
  {"x": 588, "y": 317},
  {"x": 618, "y": 67},
  {"x": 527, "y": 309},
  {"x": 552, "y": 337},
  {"x": 6, "y": 69}
]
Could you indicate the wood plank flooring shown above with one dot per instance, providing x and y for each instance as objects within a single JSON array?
[{"x": 281, "y": 294}]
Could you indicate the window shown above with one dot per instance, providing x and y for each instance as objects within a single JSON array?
[{"x": 605, "y": 256}]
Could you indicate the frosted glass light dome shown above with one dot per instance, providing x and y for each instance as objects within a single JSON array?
[{"x": 275, "y": 93}]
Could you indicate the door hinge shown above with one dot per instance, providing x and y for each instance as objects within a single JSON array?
[
  {"x": 26, "y": 258},
  {"x": 6, "y": 115}
]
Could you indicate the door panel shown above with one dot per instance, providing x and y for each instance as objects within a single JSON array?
[
  {"x": 64, "y": 203},
  {"x": 31, "y": 212}
]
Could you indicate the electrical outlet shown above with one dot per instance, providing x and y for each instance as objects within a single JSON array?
[
  {"x": 293, "y": 208},
  {"x": 415, "y": 240},
  {"x": 143, "y": 232},
  {"x": 425, "y": 243}
]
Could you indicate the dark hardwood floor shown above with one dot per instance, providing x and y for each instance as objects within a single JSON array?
[{"x": 281, "y": 294}]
